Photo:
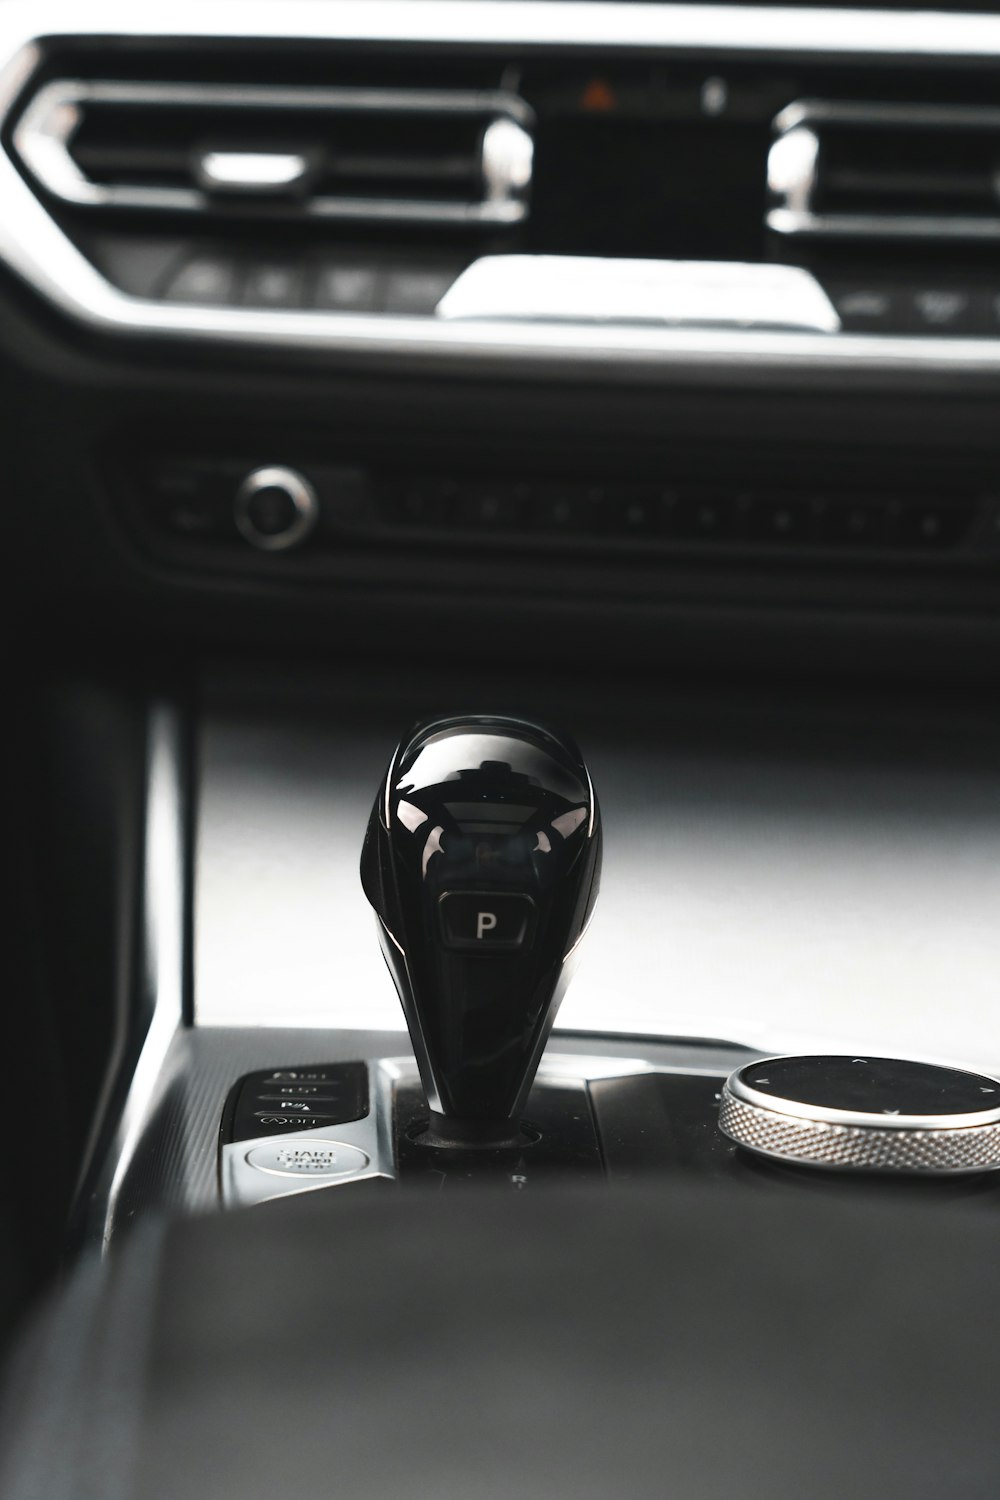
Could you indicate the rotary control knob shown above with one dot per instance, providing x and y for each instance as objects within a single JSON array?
[
  {"x": 275, "y": 508},
  {"x": 864, "y": 1114}
]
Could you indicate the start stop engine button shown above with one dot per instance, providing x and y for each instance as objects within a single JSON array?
[{"x": 312, "y": 1158}]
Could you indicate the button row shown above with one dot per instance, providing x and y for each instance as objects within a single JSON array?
[
  {"x": 937, "y": 308},
  {"x": 290, "y": 1099},
  {"x": 359, "y": 284},
  {"x": 194, "y": 500},
  {"x": 341, "y": 285},
  {"x": 682, "y": 515}
]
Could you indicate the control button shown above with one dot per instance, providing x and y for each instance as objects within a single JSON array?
[
  {"x": 273, "y": 284},
  {"x": 865, "y": 307},
  {"x": 946, "y": 310},
  {"x": 271, "y": 510},
  {"x": 670, "y": 508},
  {"x": 932, "y": 524},
  {"x": 862, "y": 523},
  {"x": 562, "y": 508},
  {"x": 704, "y": 517},
  {"x": 782, "y": 521},
  {"x": 302, "y": 1075},
  {"x": 491, "y": 505},
  {"x": 209, "y": 280},
  {"x": 602, "y": 500},
  {"x": 295, "y": 1109},
  {"x": 428, "y": 502},
  {"x": 417, "y": 290},
  {"x": 569, "y": 508},
  {"x": 269, "y": 1101},
  {"x": 266, "y": 1120},
  {"x": 639, "y": 512},
  {"x": 345, "y": 497},
  {"x": 486, "y": 921},
  {"x": 189, "y": 500},
  {"x": 348, "y": 288},
  {"x": 312, "y": 1092},
  {"x": 313, "y": 1158},
  {"x": 275, "y": 509}
]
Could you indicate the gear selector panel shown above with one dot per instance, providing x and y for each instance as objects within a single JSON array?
[{"x": 482, "y": 861}]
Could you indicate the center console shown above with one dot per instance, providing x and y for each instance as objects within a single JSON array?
[{"x": 482, "y": 860}]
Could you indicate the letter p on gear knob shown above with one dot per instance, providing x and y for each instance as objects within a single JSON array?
[{"x": 482, "y": 860}]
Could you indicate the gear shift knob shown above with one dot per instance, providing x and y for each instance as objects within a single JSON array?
[{"x": 482, "y": 860}]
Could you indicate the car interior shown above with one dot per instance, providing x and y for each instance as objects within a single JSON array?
[{"x": 502, "y": 966}]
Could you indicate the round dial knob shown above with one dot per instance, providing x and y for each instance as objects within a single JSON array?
[
  {"x": 275, "y": 508},
  {"x": 874, "y": 1114}
]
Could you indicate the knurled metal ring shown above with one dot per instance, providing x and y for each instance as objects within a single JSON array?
[{"x": 870, "y": 1146}]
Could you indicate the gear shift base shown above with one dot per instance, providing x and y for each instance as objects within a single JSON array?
[
  {"x": 449, "y": 1134},
  {"x": 556, "y": 1142}
]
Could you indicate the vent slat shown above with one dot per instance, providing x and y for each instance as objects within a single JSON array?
[{"x": 908, "y": 184}]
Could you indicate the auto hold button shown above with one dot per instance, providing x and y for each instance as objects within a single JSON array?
[
  {"x": 486, "y": 921},
  {"x": 308, "y": 1158}
]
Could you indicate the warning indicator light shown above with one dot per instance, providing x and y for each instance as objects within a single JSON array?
[{"x": 598, "y": 97}]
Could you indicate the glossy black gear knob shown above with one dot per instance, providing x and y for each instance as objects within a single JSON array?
[{"x": 482, "y": 860}]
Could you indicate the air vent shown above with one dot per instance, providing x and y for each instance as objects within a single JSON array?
[
  {"x": 425, "y": 156},
  {"x": 854, "y": 171}
]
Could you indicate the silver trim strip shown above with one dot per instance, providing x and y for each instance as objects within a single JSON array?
[
  {"x": 882, "y": 226},
  {"x": 35, "y": 248},
  {"x": 886, "y": 114},
  {"x": 589, "y": 289},
  {"x": 163, "y": 942},
  {"x": 793, "y": 171},
  {"x": 847, "y": 1148},
  {"x": 43, "y": 136},
  {"x": 577, "y": 25}
]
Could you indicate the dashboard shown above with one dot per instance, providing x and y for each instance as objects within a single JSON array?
[{"x": 564, "y": 309}]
